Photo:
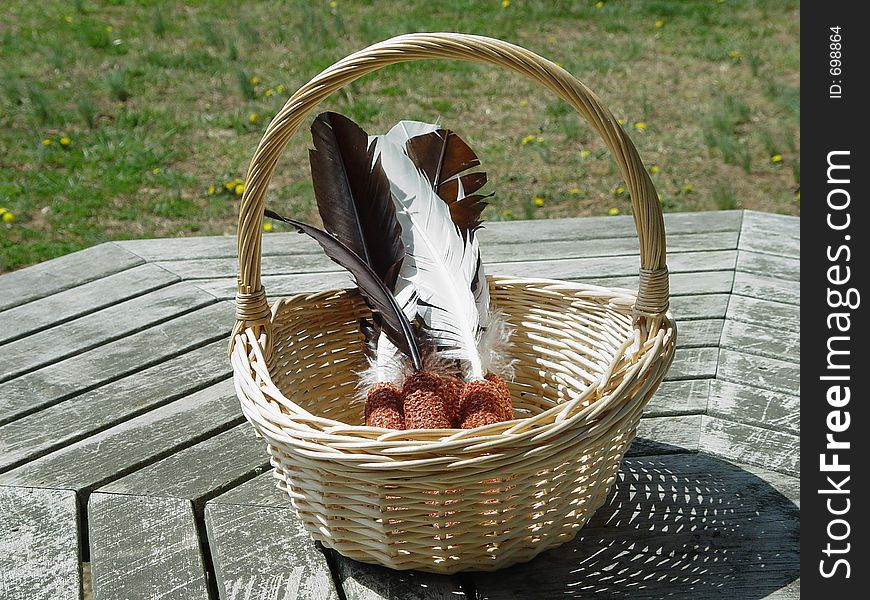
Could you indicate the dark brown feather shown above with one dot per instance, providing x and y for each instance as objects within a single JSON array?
[
  {"x": 443, "y": 157},
  {"x": 353, "y": 194},
  {"x": 393, "y": 320}
]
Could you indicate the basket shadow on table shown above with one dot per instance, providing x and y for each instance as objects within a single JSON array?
[{"x": 678, "y": 525}]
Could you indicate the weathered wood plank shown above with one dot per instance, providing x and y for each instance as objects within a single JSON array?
[
  {"x": 263, "y": 553},
  {"x": 59, "y": 381},
  {"x": 115, "y": 452},
  {"x": 767, "y": 288},
  {"x": 58, "y": 274},
  {"x": 39, "y": 544},
  {"x": 282, "y": 286},
  {"x": 73, "y": 337},
  {"x": 759, "y": 371},
  {"x": 680, "y": 526},
  {"x": 362, "y": 581},
  {"x": 770, "y": 234},
  {"x": 201, "y": 471},
  {"x": 774, "y": 450},
  {"x": 754, "y": 406},
  {"x": 144, "y": 548},
  {"x": 71, "y": 420},
  {"x": 666, "y": 435},
  {"x": 583, "y": 228},
  {"x": 597, "y": 227},
  {"x": 693, "y": 363},
  {"x": 261, "y": 490},
  {"x": 709, "y": 306},
  {"x": 697, "y": 334},
  {"x": 81, "y": 300},
  {"x": 554, "y": 268},
  {"x": 686, "y": 397},
  {"x": 773, "y": 315},
  {"x": 681, "y": 284},
  {"x": 755, "y": 339},
  {"x": 769, "y": 265}
]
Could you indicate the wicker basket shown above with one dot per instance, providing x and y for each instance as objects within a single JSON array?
[{"x": 588, "y": 360}]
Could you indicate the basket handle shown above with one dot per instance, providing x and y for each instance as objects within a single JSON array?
[{"x": 251, "y": 306}]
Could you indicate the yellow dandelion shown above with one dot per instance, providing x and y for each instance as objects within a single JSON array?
[
  {"x": 279, "y": 88},
  {"x": 524, "y": 102},
  {"x": 575, "y": 190},
  {"x": 240, "y": 189},
  {"x": 252, "y": 118},
  {"x": 539, "y": 139},
  {"x": 8, "y": 217},
  {"x": 654, "y": 169},
  {"x": 688, "y": 188},
  {"x": 119, "y": 105},
  {"x": 505, "y": 3},
  {"x": 269, "y": 92},
  {"x": 156, "y": 170},
  {"x": 109, "y": 29},
  {"x": 3, "y": 211},
  {"x": 65, "y": 141},
  {"x": 640, "y": 126},
  {"x": 47, "y": 142},
  {"x": 68, "y": 19},
  {"x": 255, "y": 80},
  {"x": 333, "y": 4},
  {"x": 797, "y": 195},
  {"x": 660, "y": 24},
  {"x": 776, "y": 158},
  {"x": 584, "y": 153},
  {"x": 528, "y": 139},
  {"x": 211, "y": 190},
  {"x": 267, "y": 227},
  {"x": 539, "y": 202},
  {"x": 735, "y": 54},
  {"x": 507, "y": 213},
  {"x": 619, "y": 190},
  {"x": 599, "y": 5},
  {"x": 613, "y": 211}
]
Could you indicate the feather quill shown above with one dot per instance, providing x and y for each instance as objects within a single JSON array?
[{"x": 394, "y": 322}]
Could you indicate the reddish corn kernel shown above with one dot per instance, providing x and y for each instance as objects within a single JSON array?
[
  {"x": 424, "y": 409},
  {"x": 384, "y": 407},
  {"x": 504, "y": 396},
  {"x": 480, "y": 404},
  {"x": 451, "y": 391}
]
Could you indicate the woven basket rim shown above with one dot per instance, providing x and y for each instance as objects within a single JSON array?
[{"x": 562, "y": 415}]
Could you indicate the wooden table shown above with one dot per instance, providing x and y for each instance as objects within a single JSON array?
[{"x": 127, "y": 467}]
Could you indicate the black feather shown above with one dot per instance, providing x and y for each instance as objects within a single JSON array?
[
  {"x": 353, "y": 194},
  {"x": 393, "y": 320}
]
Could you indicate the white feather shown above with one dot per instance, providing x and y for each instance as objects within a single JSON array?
[{"x": 439, "y": 264}]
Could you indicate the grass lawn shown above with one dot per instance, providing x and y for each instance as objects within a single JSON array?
[{"x": 123, "y": 119}]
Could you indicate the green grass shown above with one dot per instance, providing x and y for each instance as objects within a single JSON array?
[{"x": 163, "y": 101}]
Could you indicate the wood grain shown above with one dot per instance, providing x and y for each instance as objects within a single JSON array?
[
  {"x": 144, "y": 547},
  {"x": 58, "y": 274},
  {"x": 39, "y": 545},
  {"x": 74, "y": 419},
  {"x": 133, "y": 444},
  {"x": 56, "y": 382},
  {"x": 81, "y": 300}
]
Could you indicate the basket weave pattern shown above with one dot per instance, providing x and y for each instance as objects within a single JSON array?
[{"x": 587, "y": 361}]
